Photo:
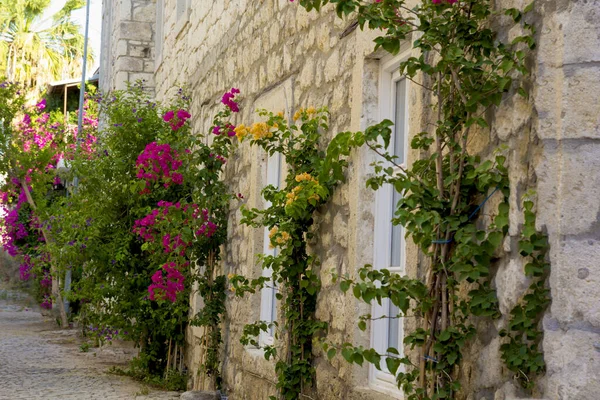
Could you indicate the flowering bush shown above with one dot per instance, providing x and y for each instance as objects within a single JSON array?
[
  {"x": 159, "y": 163},
  {"x": 166, "y": 286}
]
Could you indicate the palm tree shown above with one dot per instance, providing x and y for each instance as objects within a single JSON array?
[{"x": 34, "y": 49}]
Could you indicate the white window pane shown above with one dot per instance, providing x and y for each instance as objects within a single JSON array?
[
  {"x": 273, "y": 308},
  {"x": 393, "y": 331},
  {"x": 396, "y": 236},
  {"x": 399, "y": 118}
]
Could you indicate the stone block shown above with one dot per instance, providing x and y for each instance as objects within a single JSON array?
[
  {"x": 125, "y": 10},
  {"x": 135, "y": 30},
  {"x": 332, "y": 66},
  {"x": 580, "y": 110},
  {"x": 130, "y": 64},
  {"x": 569, "y": 187},
  {"x": 575, "y": 279},
  {"x": 145, "y": 12},
  {"x": 511, "y": 283},
  {"x": 573, "y": 363},
  {"x": 579, "y": 25},
  {"x": 200, "y": 395}
]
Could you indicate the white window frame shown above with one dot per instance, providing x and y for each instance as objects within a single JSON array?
[
  {"x": 268, "y": 300},
  {"x": 159, "y": 40},
  {"x": 383, "y": 380}
]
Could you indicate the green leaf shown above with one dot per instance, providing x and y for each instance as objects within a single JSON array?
[
  {"x": 344, "y": 286},
  {"x": 331, "y": 353},
  {"x": 495, "y": 238},
  {"x": 392, "y": 364},
  {"x": 362, "y": 325},
  {"x": 452, "y": 358}
]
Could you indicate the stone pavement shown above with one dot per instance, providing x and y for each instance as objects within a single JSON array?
[{"x": 40, "y": 362}]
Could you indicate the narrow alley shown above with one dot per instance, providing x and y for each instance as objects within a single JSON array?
[{"x": 39, "y": 361}]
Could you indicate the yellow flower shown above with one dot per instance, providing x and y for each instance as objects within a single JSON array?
[
  {"x": 283, "y": 238},
  {"x": 291, "y": 197},
  {"x": 311, "y": 110},
  {"x": 241, "y": 131},
  {"x": 298, "y": 114},
  {"x": 230, "y": 275},
  {"x": 305, "y": 177},
  {"x": 260, "y": 130},
  {"x": 280, "y": 114},
  {"x": 314, "y": 197},
  {"x": 273, "y": 231}
]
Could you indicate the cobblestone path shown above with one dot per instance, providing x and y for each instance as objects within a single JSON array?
[{"x": 40, "y": 362}]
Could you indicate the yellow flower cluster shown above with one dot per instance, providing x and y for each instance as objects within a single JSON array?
[
  {"x": 305, "y": 177},
  {"x": 293, "y": 195},
  {"x": 282, "y": 238},
  {"x": 310, "y": 110},
  {"x": 260, "y": 130},
  {"x": 241, "y": 131}
]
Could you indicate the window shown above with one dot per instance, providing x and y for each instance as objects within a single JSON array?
[
  {"x": 389, "y": 239},
  {"x": 160, "y": 36},
  {"x": 268, "y": 300}
]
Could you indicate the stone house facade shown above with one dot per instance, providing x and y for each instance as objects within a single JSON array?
[{"x": 283, "y": 58}]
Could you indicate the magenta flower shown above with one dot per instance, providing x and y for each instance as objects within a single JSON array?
[
  {"x": 184, "y": 115},
  {"x": 166, "y": 287},
  {"x": 227, "y": 100},
  {"x": 159, "y": 163},
  {"x": 41, "y": 105},
  {"x": 168, "y": 116}
]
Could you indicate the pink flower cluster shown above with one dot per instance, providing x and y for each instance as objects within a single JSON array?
[
  {"x": 47, "y": 302},
  {"x": 158, "y": 162},
  {"x": 218, "y": 157},
  {"x": 228, "y": 128},
  {"x": 25, "y": 268},
  {"x": 174, "y": 244},
  {"x": 14, "y": 228},
  {"x": 145, "y": 227},
  {"x": 176, "y": 121},
  {"x": 228, "y": 100},
  {"x": 40, "y": 134},
  {"x": 166, "y": 287},
  {"x": 46, "y": 280},
  {"x": 207, "y": 227}
]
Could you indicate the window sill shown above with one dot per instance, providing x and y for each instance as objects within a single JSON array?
[{"x": 387, "y": 388}]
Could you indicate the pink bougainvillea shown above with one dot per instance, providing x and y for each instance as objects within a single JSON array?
[
  {"x": 159, "y": 163},
  {"x": 166, "y": 287},
  {"x": 228, "y": 100},
  {"x": 176, "y": 119}
]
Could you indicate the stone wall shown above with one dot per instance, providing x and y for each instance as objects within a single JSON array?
[
  {"x": 284, "y": 58},
  {"x": 127, "y": 50}
]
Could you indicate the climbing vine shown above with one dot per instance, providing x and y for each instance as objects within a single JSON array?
[
  {"x": 458, "y": 61},
  {"x": 312, "y": 175},
  {"x": 521, "y": 353}
]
